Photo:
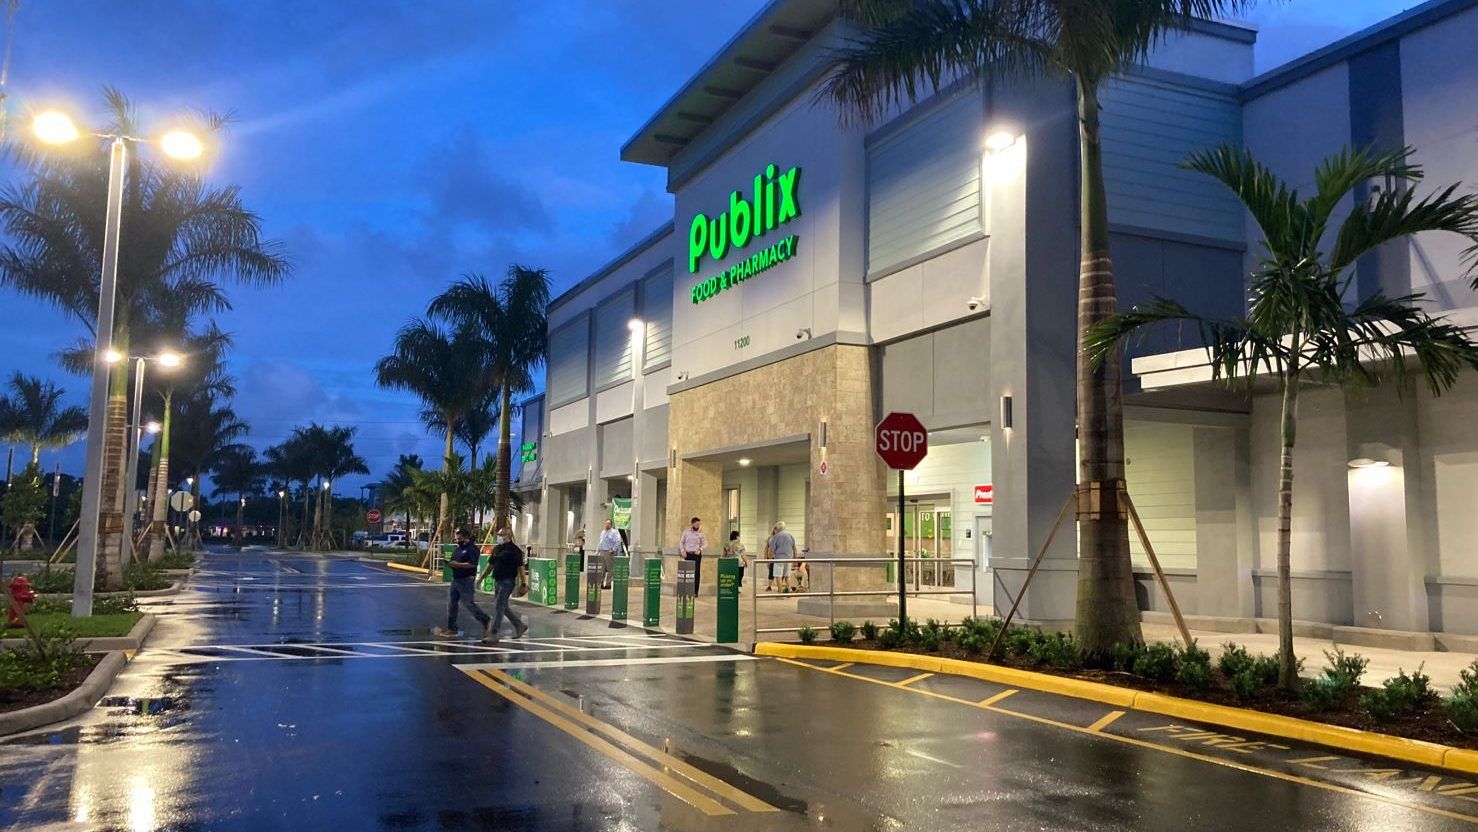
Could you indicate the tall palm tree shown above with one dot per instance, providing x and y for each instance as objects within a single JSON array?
[
  {"x": 435, "y": 365},
  {"x": 292, "y": 461},
  {"x": 35, "y": 416},
  {"x": 180, "y": 237},
  {"x": 237, "y": 471},
  {"x": 207, "y": 431},
  {"x": 907, "y": 49},
  {"x": 332, "y": 451},
  {"x": 513, "y": 318},
  {"x": 1301, "y": 322}
]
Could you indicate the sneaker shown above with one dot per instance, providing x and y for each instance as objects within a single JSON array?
[
  {"x": 490, "y": 638},
  {"x": 442, "y": 632},
  {"x": 487, "y": 630},
  {"x": 522, "y": 628}
]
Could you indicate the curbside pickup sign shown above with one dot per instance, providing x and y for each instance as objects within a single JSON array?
[
  {"x": 902, "y": 441},
  {"x": 773, "y": 202}
]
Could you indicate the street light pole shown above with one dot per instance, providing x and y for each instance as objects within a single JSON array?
[
  {"x": 131, "y": 478},
  {"x": 92, "y": 490}
]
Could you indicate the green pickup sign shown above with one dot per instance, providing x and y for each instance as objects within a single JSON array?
[
  {"x": 620, "y": 580},
  {"x": 652, "y": 598},
  {"x": 728, "y": 601},
  {"x": 572, "y": 581},
  {"x": 543, "y": 581}
]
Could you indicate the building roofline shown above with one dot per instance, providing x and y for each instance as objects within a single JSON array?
[
  {"x": 620, "y": 260},
  {"x": 1417, "y": 17}
]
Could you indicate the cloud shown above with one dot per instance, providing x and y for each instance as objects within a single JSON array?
[{"x": 465, "y": 187}]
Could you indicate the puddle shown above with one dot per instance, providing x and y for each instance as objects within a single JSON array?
[
  {"x": 763, "y": 791},
  {"x": 140, "y": 706}
]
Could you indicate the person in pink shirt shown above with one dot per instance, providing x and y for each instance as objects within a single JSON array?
[{"x": 691, "y": 545}]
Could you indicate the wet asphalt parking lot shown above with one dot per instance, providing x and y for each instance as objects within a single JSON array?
[{"x": 291, "y": 691}]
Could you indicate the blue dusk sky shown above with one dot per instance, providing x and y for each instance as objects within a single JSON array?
[{"x": 393, "y": 146}]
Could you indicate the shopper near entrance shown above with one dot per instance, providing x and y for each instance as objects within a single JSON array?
[
  {"x": 463, "y": 564},
  {"x": 607, "y": 547},
  {"x": 579, "y": 546},
  {"x": 782, "y": 547},
  {"x": 691, "y": 544},
  {"x": 735, "y": 549},
  {"x": 510, "y": 578}
]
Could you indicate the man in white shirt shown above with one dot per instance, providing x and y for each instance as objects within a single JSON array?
[
  {"x": 782, "y": 546},
  {"x": 691, "y": 545},
  {"x": 607, "y": 547}
]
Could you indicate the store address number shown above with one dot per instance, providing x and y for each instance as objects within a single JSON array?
[{"x": 741, "y": 343}]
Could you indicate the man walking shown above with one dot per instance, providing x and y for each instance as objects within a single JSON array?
[
  {"x": 782, "y": 544},
  {"x": 463, "y": 564},
  {"x": 509, "y": 578},
  {"x": 691, "y": 544},
  {"x": 607, "y": 547}
]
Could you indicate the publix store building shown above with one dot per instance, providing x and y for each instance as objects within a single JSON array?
[{"x": 818, "y": 274}]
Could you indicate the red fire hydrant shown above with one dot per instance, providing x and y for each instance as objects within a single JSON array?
[{"x": 22, "y": 596}]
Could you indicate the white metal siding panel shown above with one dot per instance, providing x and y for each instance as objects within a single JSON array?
[
  {"x": 1149, "y": 128},
  {"x": 1162, "y": 484},
  {"x": 613, "y": 339},
  {"x": 657, "y": 312},
  {"x": 569, "y": 360},
  {"x": 793, "y": 482},
  {"x": 924, "y": 185}
]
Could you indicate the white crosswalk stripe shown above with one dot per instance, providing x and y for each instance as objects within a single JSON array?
[{"x": 548, "y": 648}]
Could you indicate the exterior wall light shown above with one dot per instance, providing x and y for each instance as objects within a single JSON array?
[
  {"x": 635, "y": 325},
  {"x": 1006, "y": 413},
  {"x": 744, "y": 463},
  {"x": 1000, "y": 140},
  {"x": 1367, "y": 462}
]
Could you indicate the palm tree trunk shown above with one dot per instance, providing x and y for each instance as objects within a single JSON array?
[
  {"x": 304, "y": 534},
  {"x": 240, "y": 509},
  {"x": 1107, "y": 612},
  {"x": 1287, "y": 664},
  {"x": 115, "y": 452},
  {"x": 159, "y": 488},
  {"x": 444, "y": 518},
  {"x": 505, "y": 451},
  {"x": 193, "y": 526}
]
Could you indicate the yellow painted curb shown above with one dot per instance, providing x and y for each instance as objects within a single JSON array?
[
  {"x": 1242, "y": 719},
  {"x": 405, "y": 567}
]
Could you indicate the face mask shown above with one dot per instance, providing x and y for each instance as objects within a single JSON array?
[{"x": 502, "y": 539}]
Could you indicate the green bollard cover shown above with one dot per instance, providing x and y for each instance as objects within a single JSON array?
[
  {"x": 482, "y": 563},
  {"x": 572, "y": 581},
  {"x": 728, "y": 600},
  {"x": 620, "y": 579},
  {"x": 652, "y": 597},
  {"x": 543, "y": 581}
]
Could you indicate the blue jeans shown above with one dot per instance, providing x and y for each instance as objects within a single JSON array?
[
  {"x": 502, "y": 591},
  {"x": 465, "y": 594}
]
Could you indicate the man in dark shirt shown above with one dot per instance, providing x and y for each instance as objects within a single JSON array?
[
  {"x": 507, "y": 566},
  {"x": 463, "y": 564}
]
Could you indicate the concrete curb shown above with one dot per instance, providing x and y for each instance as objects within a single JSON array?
[
  {"x": 172, "y": 589},
  {"x": 1303, "y": 730},
  {"x": 79, "y": 700},
  {"x": 404, "y": 567},
  {"x": 105, "y": 644}
]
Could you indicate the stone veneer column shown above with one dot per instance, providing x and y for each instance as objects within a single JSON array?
[{"x": 848, "y": 504}]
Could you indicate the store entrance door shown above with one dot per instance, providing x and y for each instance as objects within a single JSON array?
[{"x": 928, "y": 533}]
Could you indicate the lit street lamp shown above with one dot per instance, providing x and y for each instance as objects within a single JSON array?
[{"x": 56, "y": 128}]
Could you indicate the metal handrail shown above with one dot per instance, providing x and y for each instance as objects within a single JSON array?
[{"x": 832, "y": 594}]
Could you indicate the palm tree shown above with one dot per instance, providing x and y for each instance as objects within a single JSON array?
[
  {"x": 434, "y": 364},
  {"x": 207, "y": 431},
  {"x": 513, "y": 318},
  {"x": 181, "y": 237},
  {"x": 911, "y": 48},
  {"x": 35, "y": 417},
  {"x": 332, "y": 451},
  {"x": 1300, "y": 322},
  {"x": 237, "y": 471},
  {"x": 292, "y": 462},
  {"x": 396, "y": 485}
]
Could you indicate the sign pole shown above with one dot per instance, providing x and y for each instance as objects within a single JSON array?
[{"x": 902, "y": 580}]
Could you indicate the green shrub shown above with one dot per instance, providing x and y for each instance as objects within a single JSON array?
[
  {"x": 936, "y": 632},
  {"x": 929, "y": 641},
  {"x": 843, "y": 631},
  {"x": 52, "y": 580},
  {"x": 1400, "y": 696},
  {"x": 40, "y": 668},
  {"x": 1019, "y": 641},
  {"x": 1157, "y": 662},
  {"x": 1324, "y": 694},
  {"x": 973, "y": 643},
  {"x": 890, "y": 639},
  {"x": 1469, "y": 684},
  {"x": 1194, "y": 669},
  {"x": 178, "y": 559},
  {"x": 1247, "y": 682},
  {"x": 143, "y": 577},
  {"x": 1234, "y": 660},
  {"x": 869, "y": 631},
  {"x": 807, "y": 635},
  {"x": 1058, "y": 650},
  {"x": 1123, "y": 655},
  {"x": 985, "y": 628},
  {"x": 1462, "y": 710},
  {"x": 1344, "y": 672}
]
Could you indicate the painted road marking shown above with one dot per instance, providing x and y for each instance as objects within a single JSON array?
[
  {"x": 306, "y": 651},
  {"x": 991, "y": 700},
  {"x": 922, "y": 756},
  {"x": 1105, "y": 721},
  {"x": 730, "y": 657},
  {"x": 703, "y": 803},
  {"x": 1240, "y": 765},
  {"x": 910, "y": 680},
  {"x": 585, "y": 727}
]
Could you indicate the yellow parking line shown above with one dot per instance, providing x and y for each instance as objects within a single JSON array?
[
  {"x": 1105, "y": 721},
  {"x": 991, "y": 700},
  {"x": 1179, "y": 752},
  {"x": 842, "y": 666},
  {"x": 919, "y": 678},
  {"x": 692, "y": 797},
  {"x": 697, "y": 776}
]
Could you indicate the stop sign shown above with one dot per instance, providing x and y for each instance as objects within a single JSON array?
[
  {"x": 372, "y": 516},
  {"x": 902, "y": 441}
]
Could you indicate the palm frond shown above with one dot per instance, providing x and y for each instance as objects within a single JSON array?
[
  {"x": 1274, "y": 206},
  {"x": 1394, "y": 214}
]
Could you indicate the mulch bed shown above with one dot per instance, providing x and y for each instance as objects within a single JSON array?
[
  {"x": 1430, "y": 725},
  {"x": 13, "y": 699}
]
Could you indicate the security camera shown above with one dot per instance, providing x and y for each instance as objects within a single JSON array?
[
  {"x": 974, "y": 303},
  {"x": 803, "y": 333},
  {"x": 682, "y": 375}
]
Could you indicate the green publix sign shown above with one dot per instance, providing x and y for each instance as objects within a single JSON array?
[{"x": 772, "y": 205}]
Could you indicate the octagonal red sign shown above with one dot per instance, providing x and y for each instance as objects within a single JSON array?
[{"x": 902, "y": 441}]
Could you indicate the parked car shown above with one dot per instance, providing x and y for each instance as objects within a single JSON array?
[{"x": 386, "y": 541}]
